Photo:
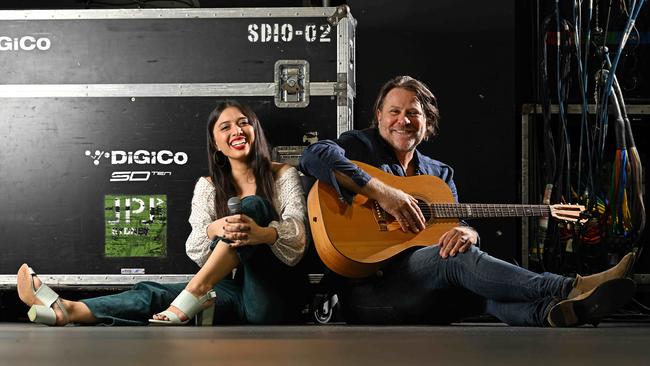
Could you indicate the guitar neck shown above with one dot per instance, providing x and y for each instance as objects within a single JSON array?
[{"x": 478, "y": 210}]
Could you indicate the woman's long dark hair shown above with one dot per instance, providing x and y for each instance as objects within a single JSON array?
[{"x": 219, "y": 165}]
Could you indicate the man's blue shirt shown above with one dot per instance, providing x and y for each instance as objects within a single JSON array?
[{"x": 323, "y": 157}]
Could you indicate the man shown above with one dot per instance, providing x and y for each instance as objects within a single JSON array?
[{"x": 451, "y": 279}]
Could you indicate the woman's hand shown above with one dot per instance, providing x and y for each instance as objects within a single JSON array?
[
  {"x": 458, "y": 239},
  {"x": 242, "y": 230},
  {"x": 216, "y": 228}
]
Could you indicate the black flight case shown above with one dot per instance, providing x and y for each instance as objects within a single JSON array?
[{"x": 103, "y": 116}]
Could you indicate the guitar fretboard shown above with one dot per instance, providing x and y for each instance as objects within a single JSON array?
[{"x": 477, "y": 210}]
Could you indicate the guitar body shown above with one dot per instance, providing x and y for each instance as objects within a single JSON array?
[{"x": 355, "y": 240}]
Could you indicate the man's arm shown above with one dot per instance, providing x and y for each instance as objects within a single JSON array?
[
  {"x": 396, "y": 202},
  {"x": 321, "y": 159},
  {"x": 326, "y": 160}
]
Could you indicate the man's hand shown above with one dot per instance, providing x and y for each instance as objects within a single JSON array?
[
  {"x": 402, "y": 206},
  {"x": 456, "y": 240}
]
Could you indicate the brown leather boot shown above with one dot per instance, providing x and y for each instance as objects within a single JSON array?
[
  {"x": 587, "y": 283},
  {"x": 592, "y": 306}
]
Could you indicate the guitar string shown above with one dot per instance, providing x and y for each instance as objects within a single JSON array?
[
  {"x": 453, "y": 210},
  {"x": 480, "y": 209}
]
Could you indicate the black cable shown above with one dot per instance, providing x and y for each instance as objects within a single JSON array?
[
  {"x": 561, "y": 116},
  {"x": 549, "y": 144},
  {"x": 642, "y": 306},
  {"x": 634, "y": 161},
  {"x": 609, "y": 12},
  {"x": 540, "y": 89},
  {"x": 566, "y": 78},
  {"x": 550, "y": 159},
  {"x": 585, "y": 143}
]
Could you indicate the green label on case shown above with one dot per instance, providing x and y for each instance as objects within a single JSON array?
[{"x": 136, "y": 225}]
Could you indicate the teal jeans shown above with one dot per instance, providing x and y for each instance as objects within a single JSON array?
[{"x": 264, "y": 290}]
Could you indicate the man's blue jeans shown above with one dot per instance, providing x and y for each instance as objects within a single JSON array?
[
  {"x": 264, "y": 291},
  {"x": 421, "y": 287}
]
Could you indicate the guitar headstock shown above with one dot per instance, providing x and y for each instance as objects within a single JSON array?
[{"x": 566, "y": 212}]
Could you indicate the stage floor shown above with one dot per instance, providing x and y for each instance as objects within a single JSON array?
[{"x": 612, "y": 343}]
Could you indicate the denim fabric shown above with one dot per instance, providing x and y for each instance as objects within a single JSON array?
[
  {"x": 419, "y": 286},
  {"x": 422, "y": 287},
  {"x": 322, "y": 157},
  {"x": 264, "y": 290}
]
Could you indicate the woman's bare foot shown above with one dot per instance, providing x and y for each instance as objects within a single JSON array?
[
  {"x": 196, "y": 292},
  {"x": 27, "y": 285},
  {"x": 179, "y": 313},
  {"x": 174, "y": 310}
]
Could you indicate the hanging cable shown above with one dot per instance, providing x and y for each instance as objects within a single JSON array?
[
  {"x": 634, "y": 168},
  {"x": 548, "y": 141},
  {"x": 628, "y": 161},
  {"x": 607, "y": 88},
  {"x": 587, "y": 192},
  {"x": 619, "y": 215},
  {"x": 561, "y": 133},
  {"x": 615, "y": 204}
]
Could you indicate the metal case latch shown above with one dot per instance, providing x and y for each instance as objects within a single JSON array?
[{"x": 291, "y": 83}]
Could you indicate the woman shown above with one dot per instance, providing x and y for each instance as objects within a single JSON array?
[{"x": 264, "y": 242}]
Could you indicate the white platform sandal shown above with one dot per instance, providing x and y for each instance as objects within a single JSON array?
[
  {"x": 45, "y": 314},
  {"x": 190, "y": 305}
]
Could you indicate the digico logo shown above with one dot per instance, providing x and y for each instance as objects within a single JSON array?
[
  {"x": 25, "y": 43},
  {"x": 118, "y": 157}
]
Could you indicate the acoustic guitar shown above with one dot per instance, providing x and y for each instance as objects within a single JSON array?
[{"x": 355, "y": 240}]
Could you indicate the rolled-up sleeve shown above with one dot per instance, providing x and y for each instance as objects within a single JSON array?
[
  {"x": 291, "y": 226},
  {"x": 197, "y": 245},
  {"x": 322, "y": 158}
]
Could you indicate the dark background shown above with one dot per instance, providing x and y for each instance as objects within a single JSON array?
[
  {"x": 465, "y": 53},
  {"x": 479, "y": 58}
]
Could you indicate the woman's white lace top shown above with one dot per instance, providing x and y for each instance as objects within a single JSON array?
[{"x": 291, "y": 227}]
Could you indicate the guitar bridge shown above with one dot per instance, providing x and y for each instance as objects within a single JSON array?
[{"x": 380, "y": 216}]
